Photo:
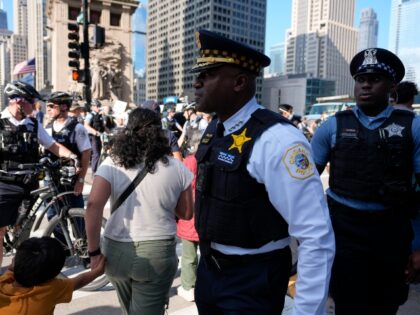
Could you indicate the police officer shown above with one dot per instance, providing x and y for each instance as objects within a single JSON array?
[
  {"x": 95, "y": 125},
  {"x": 256, "y": 185},
  {"x": 70, "y": 133},
  {"x": 373, "y": 150},
  {"x": 20, "y": 140}
]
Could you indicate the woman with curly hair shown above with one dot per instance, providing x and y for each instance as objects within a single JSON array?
[{"x": 139, "y": 237}]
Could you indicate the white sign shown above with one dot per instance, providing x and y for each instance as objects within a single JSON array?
[{"x": 119, "y": 107}]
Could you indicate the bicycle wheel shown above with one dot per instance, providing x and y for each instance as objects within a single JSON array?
[{"x": 78, "y": 258}]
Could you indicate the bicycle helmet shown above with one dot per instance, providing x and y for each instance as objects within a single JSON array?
[
  {"x": 96, "y": 102},
  {"x": 60, "y": 98},
  {"x": 22, "y": 89}
]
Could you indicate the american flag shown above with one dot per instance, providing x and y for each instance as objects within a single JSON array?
[{"x": 27, "y": 66}]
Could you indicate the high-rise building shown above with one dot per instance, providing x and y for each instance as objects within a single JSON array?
[
  {"x": 37, "y": 46},
  {"x": 403, "y": 38},
  {"x": 277, "y": 56},
  {"x": 19, "y": 48},
  {"x": 171, "y": 47},
  {"x": 322, "y": 41},
  {"x": 20, "y": 20},
  {"x": 3, "y": 20},
  {"x": 5, "y": 43},
  {"x": 368, "y": 30}
]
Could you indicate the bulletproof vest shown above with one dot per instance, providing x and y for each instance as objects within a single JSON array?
[
  {"x": 18, "y": 144},
  {"x": 66, "y": 137},
  {"x": 373, "y": 165},
  {"x": 97, "y": 122},
  {"x": 231, "y": 207}
]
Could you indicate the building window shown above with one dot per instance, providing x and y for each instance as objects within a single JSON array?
[
  {"x": 95, "y": 17},
  {"x": 73, "y": 13},
  {"x": 115, "y": 19}
]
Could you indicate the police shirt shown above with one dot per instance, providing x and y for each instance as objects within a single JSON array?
[
  {"x": 281, "y": 160},
  {"x": 81, "y": 137},
  {"x": 324, "y": 140},
  {"x": 43, "y": 137}
]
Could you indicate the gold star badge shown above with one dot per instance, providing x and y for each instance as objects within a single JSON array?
[{"x": 239, "y": 140}]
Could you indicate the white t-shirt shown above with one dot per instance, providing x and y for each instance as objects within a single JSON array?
[{"x": 149, "y": 212}]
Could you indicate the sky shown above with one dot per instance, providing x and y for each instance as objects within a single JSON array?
[{"x": 279, "y": 18}]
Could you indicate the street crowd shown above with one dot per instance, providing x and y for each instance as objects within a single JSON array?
[{"x": 232, "y": 179}]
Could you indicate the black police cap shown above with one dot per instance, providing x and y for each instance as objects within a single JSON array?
[
  {"x": 216, "y": 51},
  {"x": 377, "y": 60}
]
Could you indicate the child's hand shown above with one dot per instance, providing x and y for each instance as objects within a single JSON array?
[{"x": 98, "y": 264}]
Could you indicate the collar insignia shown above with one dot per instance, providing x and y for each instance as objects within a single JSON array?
[
  {"x": 206, "y": 138},
  {"x": 239, "y": 140},
  {"x": 370, "y": 57},
  {"x": 394, "y": 130}
]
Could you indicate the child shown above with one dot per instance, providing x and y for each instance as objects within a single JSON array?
[{"x": 30, "y": 285}]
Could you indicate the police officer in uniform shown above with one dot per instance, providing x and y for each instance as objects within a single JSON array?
[
  {"x": 20, "y": 140},
  {"x": 256, "y": 186},
  {"x": 69, "y": 132},
  {"x": 373, "y": 150},
  {"x": 95, "y": 125}
]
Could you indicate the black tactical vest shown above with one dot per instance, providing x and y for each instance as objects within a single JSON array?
[
  {"x": 97, "y": 122},
  {"x": 66, "y": 137},
  {"x": 231, "y": 207},
  {"x": 373, "y": 165},
  {"x": 18, "y": 144}
]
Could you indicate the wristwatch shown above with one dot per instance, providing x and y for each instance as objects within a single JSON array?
[
  {"x": 80, "y": 180},
  {"x": 95, "y": 252}
]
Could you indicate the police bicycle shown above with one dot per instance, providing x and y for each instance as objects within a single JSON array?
[{"x": 33, "y": 221}]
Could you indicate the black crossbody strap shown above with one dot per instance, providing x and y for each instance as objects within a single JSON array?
[{"x": 139, "y": 177}]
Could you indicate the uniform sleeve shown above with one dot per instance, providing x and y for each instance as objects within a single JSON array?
[
  {"x": 82, "y": 138},
  {"x": 282, "y": 160},
  {"x": 416, "y": 139},
  {"x": 44, "y": 138},
  {"x": 88, "y": 118},
  {"x": 321, "y": 142}
]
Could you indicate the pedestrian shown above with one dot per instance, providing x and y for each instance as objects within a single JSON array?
[
  {"x": 187, "y": 233},
  {"x": 286, "y": 111},
  {"x": 70, "y": 133},
  {"x": 256, "y": 186},
  {"x": 20, "y": 139},
  {"x": 404, "y": 95},
  {"x": 95, "y": 125},
  {"x": 30, "y": 285},
  {"x": 374, "y": 150},
  {"x": 139, "y": 237},
  {"x": 173, "y": 141}
]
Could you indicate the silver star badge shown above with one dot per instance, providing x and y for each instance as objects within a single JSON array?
[
  {"x": 394, "y": 130},
  {"x": 370, "y": 57}
]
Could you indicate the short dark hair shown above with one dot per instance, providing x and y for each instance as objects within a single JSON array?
[
  {"x": 406, "y": 91},
  {"x": 38, "y": 260},
  {"x": 286, "y": 107}
]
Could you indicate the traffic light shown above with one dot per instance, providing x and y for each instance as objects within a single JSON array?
[
  {"x": 73, "y": 45},
  {"x": 78, "y": 75}
]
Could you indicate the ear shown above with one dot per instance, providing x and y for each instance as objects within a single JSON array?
[{"x": 241, "y": 82}]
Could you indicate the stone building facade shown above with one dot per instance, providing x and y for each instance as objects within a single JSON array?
[{"x": 113, "y": 62}]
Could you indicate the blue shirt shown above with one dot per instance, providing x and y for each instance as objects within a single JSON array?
[{"x": 324, "y": 140}]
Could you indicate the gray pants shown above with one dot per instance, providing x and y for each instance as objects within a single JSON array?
[
  {"x": 142, "y": 273},
  {"x": 189, "y": 262}
]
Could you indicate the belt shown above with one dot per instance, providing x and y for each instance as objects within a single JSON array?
[{"x": 223, "y": 261}]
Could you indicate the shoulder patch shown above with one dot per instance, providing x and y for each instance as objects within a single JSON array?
[{"x": 297, "y": 162}]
